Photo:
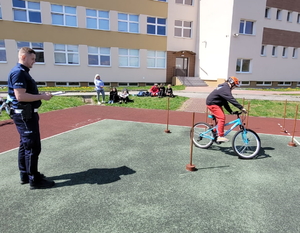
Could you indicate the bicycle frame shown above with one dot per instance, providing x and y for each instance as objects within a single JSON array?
[{"x": 234, "y": 123}]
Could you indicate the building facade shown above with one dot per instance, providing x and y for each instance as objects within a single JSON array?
[{"x": 141, "y": 42}]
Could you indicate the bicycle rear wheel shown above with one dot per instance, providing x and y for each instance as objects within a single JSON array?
[
  {"x": 199, "y": 138},
  {"x": 246, "y": 144}
]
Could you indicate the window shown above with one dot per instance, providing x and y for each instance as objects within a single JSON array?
[
  {"x": 156, "y": 26},
  {"x": 298, "y": 18},
  {"x": 268, "y": 13},
  {"x": 97, "y": 19},
  {"x": 129, "y": 58},
  {"x": 263, "y": 50},
  {"x": 295, "y": 53},
  {"x": 67, "y": 84},
  {"x": 183, "y": 28},
  {"x": 284, "y": 52},
  {"x": 128, "y": 23},
  {"x": 245, "y": 83},
  {"x": 156, "y": 59},
  {"x": 186, "y": 2},
  {"x": 243, "y": 65},
  {"x": 298, "y": 84},
  {"x": 26, "y": 11},
  {"x": 279, "y": 14},
  {"x": 246, "y": 27},
  {"x": 284, "y": 83},
  {"x": 98, "y": 56},
  {"x": 274, "y": 51},
  {"x": 66, "y": 54},
  {"x": 36, "y": 46},
  {"x": 0, "y": 12},
  {"x": 2, "y": 51},
  {"x": 263, "y": 83},
  {"x": 161, "y": 0},
  {"x": 289, "y": 16},
  {"x": 63, "y": 15}
]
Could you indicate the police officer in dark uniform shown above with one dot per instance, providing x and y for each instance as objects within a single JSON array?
[{"x": 26, "y": 100}]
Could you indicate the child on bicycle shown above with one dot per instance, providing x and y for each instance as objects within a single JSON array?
[{"x": 219, "y": 98}]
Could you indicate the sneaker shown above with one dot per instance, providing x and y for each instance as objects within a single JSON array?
[
  {"x": 99, "y": 103},
  {"x": 25, "y": 178},
  {"x": 41, "y": 184},
  {"x": 103, "y": 102},
  {"x": 222, "y": 139}
]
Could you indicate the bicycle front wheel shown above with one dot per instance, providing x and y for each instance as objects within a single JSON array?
[
  {"x": 246, "y": 144},
  {"x": 201, "y": 136}
]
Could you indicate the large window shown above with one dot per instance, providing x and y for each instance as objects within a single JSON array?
[
  {"x": 295, "y": 53},
  {"x": 263, "y": 50},
  {"x": 183, "y": 28},
  {"x": 156, "y": 59},
  {"x": 274, "y": 51},
  {"x": 279, "y": 14},
  {"x": 284, "y": 52},
  {"x": 63, "y": 15},
  {"x": 2, "y": 51},
  {"x": 243, "y": 65},
  {"x": 98, "y": 56},
  {"x": 26, "y": 11},
  {"x": 66, "y": 54},
  {"x": 128, "y": 23},
  {"x": 186, "y": 2},
  {"x": 36, "y": 46},
  {"x": 268, "y": 13},
  {"x": 289, "y": 16},
  {"x": 97, "y": 19},
  {"x": 129, "y": 58},
  {"x": 246, "y": 27},
  {"x": 156, "y": 26}
]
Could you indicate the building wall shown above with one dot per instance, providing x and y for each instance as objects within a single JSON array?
[{"x": 13, "y": 31}]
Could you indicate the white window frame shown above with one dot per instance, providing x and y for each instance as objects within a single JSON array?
[
  {"x": 129, "y": 22},
  {"x": 183, "y": 28},
  {"x": 184, "y": 2},
  {"x": 98, "y": 19},
  {"x": 66, "y": 54},
  {"x": 279, "y": 14},
  {"x": 263, "y": 83},
  {"x": 289, "y": 16},
  {"x": 284, "y": 52},
  {"x": 156, "y": 25},
  {"x": 99, "y": 53},
  {"x": 274, "y": 51},
  {"x": 245, "y": 83},
  {"x": 0, "y": 12},
  {"x": 67, "y": 84},
  {"x": 129, "y": 55},
  {"x": 28, "y": 10},
  {"x": 243, "y": 30},
  {"x": 263, "y": 51},
  {"x": 295, "y": 53},
  {"x": 156, "y": 56},
  {"x": 281, "y": 84},
  {"x": 3, "y": 49},
  {"x": 242, "y": 60},
  {"x": 65, "y": 14},
  {"x": 298, "y": 84},
  {"x": 298, "y": 18},
  {"x": 38, "y": 49},
  {"x": 268, "y": 13}
]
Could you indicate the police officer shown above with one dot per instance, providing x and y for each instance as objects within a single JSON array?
[{"x": 26, "y": 100}]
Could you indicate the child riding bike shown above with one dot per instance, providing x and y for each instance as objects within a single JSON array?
[{"x": 219, "y": 98}]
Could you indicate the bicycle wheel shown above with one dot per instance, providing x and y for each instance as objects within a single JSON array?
[
  {"x": 203, "y": 141},
  {"x": 246, "y": 144}
]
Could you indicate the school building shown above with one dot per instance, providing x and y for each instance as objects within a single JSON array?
[{"x": 141, "y": 42}]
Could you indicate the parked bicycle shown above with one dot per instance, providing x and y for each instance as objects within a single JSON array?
[
  {"x": 7, "y": 106},
  {"x": 245, "y": 143}
]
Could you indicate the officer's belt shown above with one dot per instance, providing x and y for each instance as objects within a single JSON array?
[{"x": 20, "y": 110}]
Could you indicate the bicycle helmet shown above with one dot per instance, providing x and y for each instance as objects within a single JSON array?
[{"x": 234, "y": 81}]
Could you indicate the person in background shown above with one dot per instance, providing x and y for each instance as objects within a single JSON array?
[
  {"x": 162, "y": 90},
  {"x": 124, "y": 96},
  {"x": 26, "y": 101},
  {"x": 219, "y": 98},
  {"x": 113, "y": 96},
  {"x": 154, "y": 90},
  {"x": 99, "y": 86},
  {"x": 169, "y": 91}
]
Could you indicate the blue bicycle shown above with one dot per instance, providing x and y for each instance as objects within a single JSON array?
[{"x": 245, "y": 143}]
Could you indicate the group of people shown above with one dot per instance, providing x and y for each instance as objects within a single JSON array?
[
  {"x": 26, "y": 100},
  {"x": 161, "y": 91}
]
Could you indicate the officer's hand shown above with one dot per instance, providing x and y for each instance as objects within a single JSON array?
[
  {"x": 46, "y": 96},
  {"x": 244, "y": 110}
]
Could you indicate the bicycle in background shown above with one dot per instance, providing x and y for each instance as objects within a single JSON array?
[
  {"x": 7, "y": 106},
  {"x": 245, "y": 143}
]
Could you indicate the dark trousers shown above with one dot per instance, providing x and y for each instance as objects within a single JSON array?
[{"x": 30, "y": 144}]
